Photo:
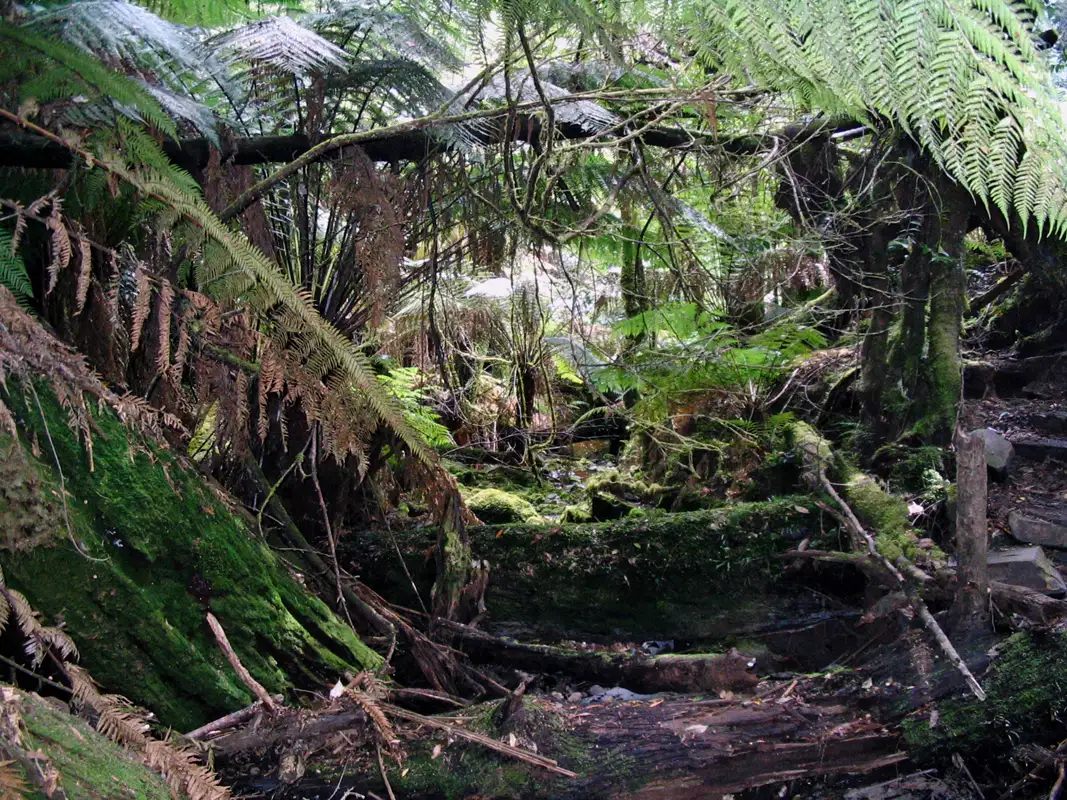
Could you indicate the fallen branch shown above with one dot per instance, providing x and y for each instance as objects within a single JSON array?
[
  {"x": 246, "y": 677},
  {"x": 231, "y": 720}
]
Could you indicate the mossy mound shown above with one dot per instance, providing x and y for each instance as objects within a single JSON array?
[
  {"x": 497, "y": 507},
  {"x": 691, "y": 575},
  {"x": 613, "y": 496},
  {"x": 89, "y": 766},
  {"x": 1026, "y": 703},
  {"x": 150, "y": 541}
]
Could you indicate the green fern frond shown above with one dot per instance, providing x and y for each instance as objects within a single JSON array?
[
  {"x": 948, "y": 72},
  {"x": 42, "y": 63},
  {"x": 13, "y": 273}
]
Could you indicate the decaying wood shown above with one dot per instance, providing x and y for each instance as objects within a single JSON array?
[
  {"x": 231, "y": 720},
  {"x": 290, "y": 726},
  {"x": 971, "y": 607},
  {"x": 665, "y": 673},
  {"x": 462, "y": 733},
  {"x": 253, "y": 685}
]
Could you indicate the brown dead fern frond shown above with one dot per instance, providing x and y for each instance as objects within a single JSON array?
[
  {"x": 85, "y": 274},
  {"x": 142, "y": 307}
]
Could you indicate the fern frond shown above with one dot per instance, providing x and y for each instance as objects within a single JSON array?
[
  {"x": 281, "y": 43},
  {"x": 13, "y": 273}
]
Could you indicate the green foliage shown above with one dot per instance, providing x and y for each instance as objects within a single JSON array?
[
  {"x": 405, "y": 384},
  {"x": 963, "y": 77},
  {"x": 700, "y": 354},
  {"x": 12, "y": 271},
  {"x": 47, "y": 70}
]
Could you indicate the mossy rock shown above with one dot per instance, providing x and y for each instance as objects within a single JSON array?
[
  {"x": 89, "y": 765},
  {"x": 576, "y": 514},
  {"x": 497, "y": 507},
  {"x": 148, "y": 535},
  {"x": 695, "y": 575}
]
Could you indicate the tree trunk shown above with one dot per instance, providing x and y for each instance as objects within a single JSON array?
[{"x": 453, "y": 560}]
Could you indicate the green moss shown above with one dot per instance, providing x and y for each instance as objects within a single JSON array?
[
  {"x": 90, "y": 766},
  {"x": 1026, "y": 702},
  {"x": 614, "y": 496},
  {"x": 576, "y": 514},
  {"x": 147, "y": 525},
  {"x": 495, "y": 506}
]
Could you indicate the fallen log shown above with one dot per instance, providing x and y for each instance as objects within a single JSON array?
[{"x": 664, "y": 673}]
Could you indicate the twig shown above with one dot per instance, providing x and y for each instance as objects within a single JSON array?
[
  {"x": 859, "y": 535},
  {"x": 1057, "y": 787},
  {"x": 381, "y": 768},
  {"x": 242, "y": 673}
]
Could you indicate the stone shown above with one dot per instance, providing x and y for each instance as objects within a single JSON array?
[
  {"x": 1026, "y": 566},
  {"x": 1054, "y": 422},
  {"x": 1041, "y": 449},
  {"x": 1045, "y": 527},
  {"x": 999, "y": 452},
  {"x": 575, "y": 697},
  {"x": 556, "y": 696}
]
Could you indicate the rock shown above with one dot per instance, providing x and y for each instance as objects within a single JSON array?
[
  {"x": 1026, "y": 566},
  {"x": 575, "y": 697},
  {"x": 999, "y": 452},
  {"x": 1054, "y": 422},
  {"x": 557, "y": 695},
  {"x": 1039, "y": 526},
  {"x": 1040, "y": 449},
  {"x": 497, "y": 507}
]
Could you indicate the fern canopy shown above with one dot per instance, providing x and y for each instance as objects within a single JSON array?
[{"x": 962, "y": 77}]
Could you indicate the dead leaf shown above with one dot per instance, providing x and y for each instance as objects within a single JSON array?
[
  {"x": 436, "y": 752},
  {"x": 801, "y": 510},
  {"x": 697, "y": 728}
]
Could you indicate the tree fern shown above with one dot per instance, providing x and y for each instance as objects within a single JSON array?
[
  {"x": 49, "y": 70},
  {"x": 948, "y": 72}
]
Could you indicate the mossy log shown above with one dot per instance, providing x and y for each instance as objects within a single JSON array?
[
  {"x": 695, "y": 575},
  {"x": 141, "y": 548}
]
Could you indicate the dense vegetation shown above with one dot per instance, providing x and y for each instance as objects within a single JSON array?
[{"x": 319, "y": 318}]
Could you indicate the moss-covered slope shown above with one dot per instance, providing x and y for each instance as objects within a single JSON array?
[
  {"x": 89, "y": 766},
  {"x": 149, "y": 543}
]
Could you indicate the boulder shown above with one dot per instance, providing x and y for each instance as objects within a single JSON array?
[
  {"x": 497, "y": 507},
  {"x": 1026, "y": 566},
  {"x": 1047, "y": 527},
  {"x": 999, "y": 452}
]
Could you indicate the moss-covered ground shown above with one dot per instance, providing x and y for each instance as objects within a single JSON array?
[
  {"x": 89, "y": 766},
  {"x": 149, "y": 543}
]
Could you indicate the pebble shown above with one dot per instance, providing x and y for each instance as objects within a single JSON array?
[
  {"x": 575, "y": 697},
  {"x": 556, "y": 695}
]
